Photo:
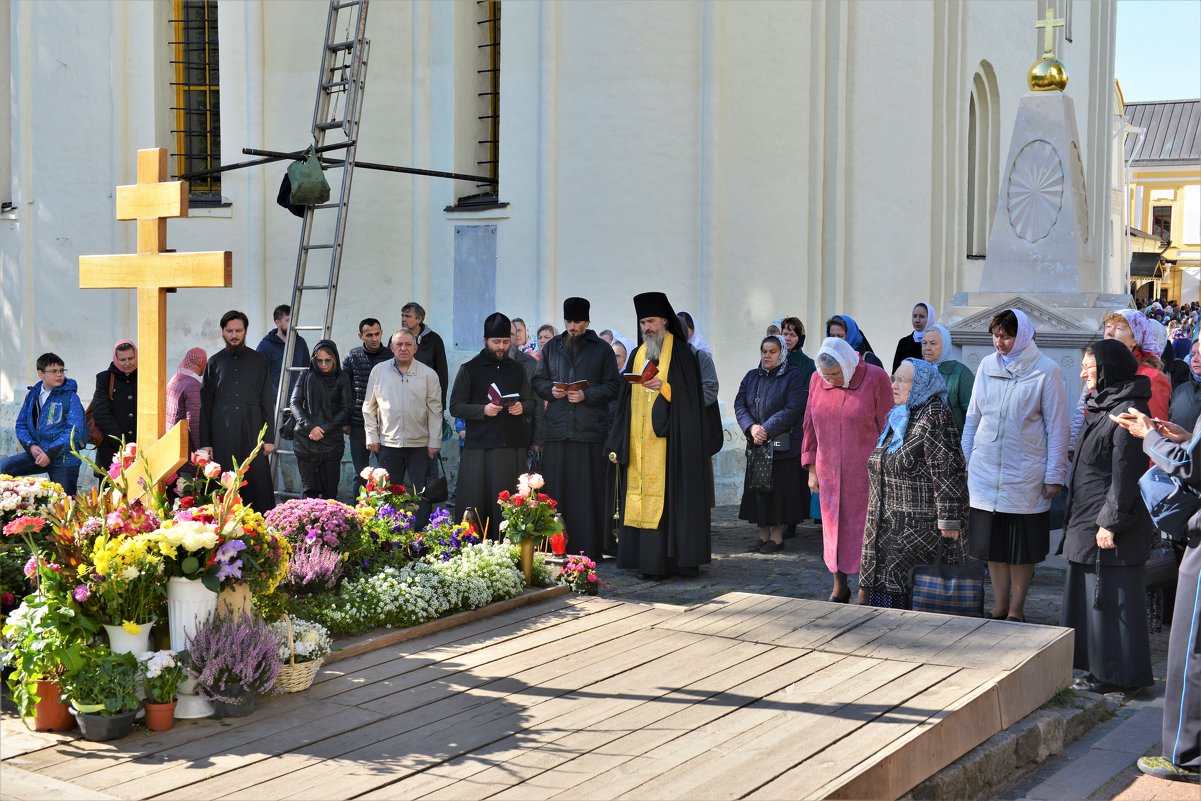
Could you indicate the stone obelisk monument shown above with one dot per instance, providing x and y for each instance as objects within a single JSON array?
[{"x": 1040, "y": 258}]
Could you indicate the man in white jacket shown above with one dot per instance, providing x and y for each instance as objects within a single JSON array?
[{"x": 402, "y": 414}]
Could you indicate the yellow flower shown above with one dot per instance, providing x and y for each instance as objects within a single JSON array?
[
  {"x": 131, "y": 628},
  {"x": 367, "y": 512}
]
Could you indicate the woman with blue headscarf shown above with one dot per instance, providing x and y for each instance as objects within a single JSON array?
[
  {"x": 936, "y": 349},
  {"x": 917, "y": 488},
  {"x": 843, "y": 327}
]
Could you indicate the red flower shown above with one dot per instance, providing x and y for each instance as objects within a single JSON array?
[
  {"x": 25, "y": 525},
  {"x": 504, "y": 496},
  {"x": 187, "y": 502},
  {"x": 396, "y": 489},
  {"x": 552, "y": 503},
  {"x": 518, "y": 500}
]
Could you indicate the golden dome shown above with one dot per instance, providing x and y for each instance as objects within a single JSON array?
[{"x": 1048, "y": 75}]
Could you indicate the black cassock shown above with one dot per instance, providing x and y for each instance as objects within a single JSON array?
[{"x": 235, "y": 403}]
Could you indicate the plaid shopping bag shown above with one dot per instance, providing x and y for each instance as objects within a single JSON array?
[{"x": 956, "y": 589}]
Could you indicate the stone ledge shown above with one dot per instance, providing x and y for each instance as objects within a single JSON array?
[
  {"x": 383, "y": 638},
  {"x": 993, "y": 765}
]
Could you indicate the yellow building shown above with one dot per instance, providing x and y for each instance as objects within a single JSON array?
[{"x": 1164, "y": 158}]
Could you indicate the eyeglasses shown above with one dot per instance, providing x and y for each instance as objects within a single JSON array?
[
  {"x": 896, "y": 379},
  {"x": 55, "y": 371},
  {"x": 323, "y": 361}
]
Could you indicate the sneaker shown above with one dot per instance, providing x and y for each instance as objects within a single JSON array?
[{"x": 1163, "y": 768}]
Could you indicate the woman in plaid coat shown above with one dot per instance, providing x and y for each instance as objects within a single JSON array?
[{"x": 917, "y": 488}]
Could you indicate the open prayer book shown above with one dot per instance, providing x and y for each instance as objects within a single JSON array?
[
  {"x": 501, "y": 399},
  {"x": 573, "y": 386},
  {"x": 648, "y": 372}
]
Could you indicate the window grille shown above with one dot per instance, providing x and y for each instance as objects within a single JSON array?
[{"x": 197, "y": 96}]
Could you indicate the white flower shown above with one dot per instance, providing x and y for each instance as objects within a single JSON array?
[
  {"x": 536, "y": 481},
  {"x": 365, "y": 473},
  {"x": 212, "y": 470},
  {"x": 379, "y": 475},
  {"x": 129, "y": 574}
]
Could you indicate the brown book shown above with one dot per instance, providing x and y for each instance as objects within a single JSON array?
[
  {"x": 574, "y": 386},
  {"x": 500, "y": 399},
  {"x": 648, "y": 372}
]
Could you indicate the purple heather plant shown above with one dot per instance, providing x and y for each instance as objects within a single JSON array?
[
  {"x": 314, "y": 566},
  {"x": 232, "y": 655}
]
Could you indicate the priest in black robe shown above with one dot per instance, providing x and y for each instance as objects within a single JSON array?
[
  {"x": 236, "y": 401},
  {"x": 575, "y": 425},
  {"x": 657, "y": 445},
  {"x": 498, "y": 434}
]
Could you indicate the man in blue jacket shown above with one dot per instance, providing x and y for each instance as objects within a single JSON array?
[
  {"x": 272, "y": 347},
  {"x": 50, "y": 420}
]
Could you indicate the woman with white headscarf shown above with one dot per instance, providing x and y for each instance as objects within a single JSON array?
[
  {"x": 936, "y": 349},
  {"x": 918, "y": 489},
  {"x": 1015, "y": 442},
  {"x": 849, "y": 401},
  {"x": 910, "y": 347}
]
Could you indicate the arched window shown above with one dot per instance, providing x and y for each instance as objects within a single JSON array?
[{"x": 983, "y": 158}]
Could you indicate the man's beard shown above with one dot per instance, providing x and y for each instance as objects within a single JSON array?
[
  {"x": 654, "y": 345},
  {"x": 238, "y": 346},
  {"x": 574, "y": 341},
  {"x": 499, "y": 355}
]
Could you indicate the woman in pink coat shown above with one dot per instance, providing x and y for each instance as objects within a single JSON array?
[{"x": 849, "y": 401}]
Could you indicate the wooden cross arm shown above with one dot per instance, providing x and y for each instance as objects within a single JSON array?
[
  {"x": 158, "y": 460},
  {"x": 151, "y": 201},
  {"x": 156, "y": 270}
]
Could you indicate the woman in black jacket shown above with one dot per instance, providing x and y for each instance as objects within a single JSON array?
[
  {"x": 321, "y": 404},
  {"x": 1108, "y": 533},
  {"x": 115, "y": 403},
  {"x": 768, "y": 409}
]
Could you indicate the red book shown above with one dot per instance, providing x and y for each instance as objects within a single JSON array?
[
  {"x": 501, "y": 399},
  {"x": 648, "y": 372}
]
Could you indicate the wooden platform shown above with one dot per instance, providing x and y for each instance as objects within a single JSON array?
[{"x": 750, "y": 696}]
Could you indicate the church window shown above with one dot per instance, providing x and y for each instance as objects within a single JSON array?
[
  {"x": 1161, "y": 222},
  {"x": 482, "y": 93},
  {"x": 197, "y": 109}
]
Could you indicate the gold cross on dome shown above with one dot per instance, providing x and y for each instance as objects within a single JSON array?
[
  {"x": 1049, "y": 24},
  {"x": 153, "y": 271}
]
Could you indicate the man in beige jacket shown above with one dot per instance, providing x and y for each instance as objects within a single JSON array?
[{"x": 402, "y": 415}]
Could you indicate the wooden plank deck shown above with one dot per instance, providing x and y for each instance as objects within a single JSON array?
[{"x": 748, "y": 696}]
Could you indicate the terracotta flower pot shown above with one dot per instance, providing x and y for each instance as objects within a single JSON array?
[
  {"x": 160, "y": 717},
  {"x": 51, "y": 713}
]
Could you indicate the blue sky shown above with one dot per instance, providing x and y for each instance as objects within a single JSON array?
[{"x": 1159, "y": 49}]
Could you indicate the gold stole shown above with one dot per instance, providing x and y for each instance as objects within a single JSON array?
[{"x": 646, "y": 477}]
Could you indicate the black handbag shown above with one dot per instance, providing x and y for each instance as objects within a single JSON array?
[
  {"x": 1160, "y": 569},
  {"x": 287, "y": 425},
  {"x": 949, "y": 589},
  {"x": 782, "y": 442},
  {"x": 759, "y": 467},
  {"x": 436, "y": 489}
]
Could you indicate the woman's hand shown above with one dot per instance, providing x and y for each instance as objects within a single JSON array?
[
  {"x": 1105, "y": 538},
  {"x": 812, "y": 479},
  {"x": 949, "y": 533},
  {"x": 1052, "y": 490},
  {"x": 317, "y": 434},
  {"x": 758, "y": 434}
]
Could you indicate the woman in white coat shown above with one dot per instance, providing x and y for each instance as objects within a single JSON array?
[{"x": 1015, "y": 442}]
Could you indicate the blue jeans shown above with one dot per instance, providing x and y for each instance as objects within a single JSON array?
[{"x": 23, "y": 464}]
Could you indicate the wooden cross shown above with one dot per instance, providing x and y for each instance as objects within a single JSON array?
[
  {"x": 1049, "y": 24},
  {"x": 154, "y": 272}
]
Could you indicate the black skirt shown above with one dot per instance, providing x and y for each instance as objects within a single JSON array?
[
  {"x": 785, "y": 503},
  {"x": 1012, "y": 539},
  {"x": 1112, "y": 643}
]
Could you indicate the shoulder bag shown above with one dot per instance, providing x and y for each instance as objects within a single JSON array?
[
  {"x": 949, "y": 589},
  {"x": 1170, "y": 501}
]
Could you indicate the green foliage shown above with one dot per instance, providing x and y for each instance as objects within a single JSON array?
[
  {"x": 44, "y": 638},
  {"x": 104, "y": 679}
]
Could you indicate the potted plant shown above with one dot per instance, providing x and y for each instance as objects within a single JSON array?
[
  {"x": 234, "y": 658},
  {"x": 162, "y": 673},
  {"x": 579, "y": 573},
  {"x": 103, "y": 692},
  {"x": 44, "y": 638},
  {"x": 123, "y": 585},
  {"x": 303, "y": 645}
]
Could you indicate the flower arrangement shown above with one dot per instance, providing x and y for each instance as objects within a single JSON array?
[
  {"x": 103, "y": 683},
  {"x": 265, "y": 556},
  {"x": 12, "y": 579},
  {"x": 162, "y": 673},
  {"x": 386, "y": 510},
  {"x": 122, "y": 581},
  {"x": 233, "y": 656},
  {"x": 580, "y": 575},
  {"x": 528, "y": 515},
  {"x": 26, "y": 495},
  {"x": 310, "y": 641},
  {"x": 304, "y": 521},
  {"x": 378, "y": 490}
]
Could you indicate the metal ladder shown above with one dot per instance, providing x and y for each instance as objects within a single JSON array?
[{"x": 339, "y": 91}]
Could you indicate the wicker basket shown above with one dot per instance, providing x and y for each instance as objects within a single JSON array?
[{"x": 296, "y": 677}]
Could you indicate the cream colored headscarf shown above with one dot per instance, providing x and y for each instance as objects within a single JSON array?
[{"x": 841, "y": 351}]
